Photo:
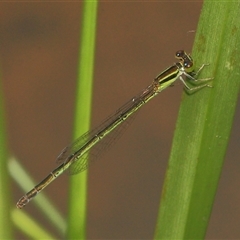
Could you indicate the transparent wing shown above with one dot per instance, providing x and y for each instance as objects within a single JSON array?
[{"x": 100, "y": 147}]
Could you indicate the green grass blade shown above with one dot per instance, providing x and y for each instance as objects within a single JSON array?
[
  {"x": 5, "y": 223},
  {"x": 27, "y": 225},
  {"x": 203, "y": 127},
  {"x": 78, "y": 188},
  {"x": 48, "y": 209}
]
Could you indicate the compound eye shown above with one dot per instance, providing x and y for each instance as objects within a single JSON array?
[
  {"x": 179, "y": 54},
  {"x": 188, "y": 66}
]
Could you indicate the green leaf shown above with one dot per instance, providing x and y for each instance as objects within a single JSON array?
[{"x": 203, "y": 127}]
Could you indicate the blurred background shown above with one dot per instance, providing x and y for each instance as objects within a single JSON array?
[{"x": 135, "y": 41}]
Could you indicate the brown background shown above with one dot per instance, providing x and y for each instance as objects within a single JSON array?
[{"x": 135, "y": 41}]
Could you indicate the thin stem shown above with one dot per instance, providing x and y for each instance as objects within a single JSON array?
[{"x": 78, "y": 188}]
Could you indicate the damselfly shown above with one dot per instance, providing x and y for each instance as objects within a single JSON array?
[{"x": 74, "y": 157}]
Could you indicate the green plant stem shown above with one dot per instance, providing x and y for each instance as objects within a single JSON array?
[
  {"x": 5, "y": 223},
  {"x": 203, "y": 127},
  {"x": 78, "y": 188}
]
